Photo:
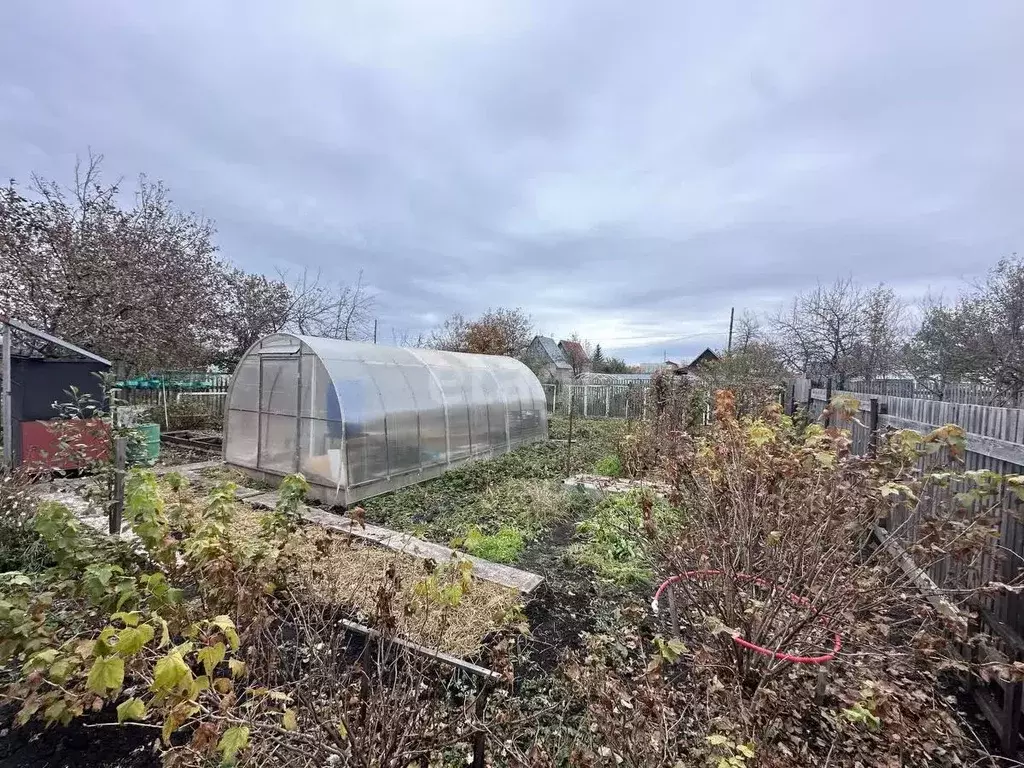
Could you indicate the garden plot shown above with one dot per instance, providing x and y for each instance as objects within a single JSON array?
[
  {"x": 585, "y": 674},
  {"x": 333, "y": 567}
]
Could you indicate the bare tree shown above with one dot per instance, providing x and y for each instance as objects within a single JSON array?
[
  {"x": 820, "y": 331},
  {"x": 403, "y": 338},
  {"x": 884, "y": 332},
  {"x": 353, "y": 312},
  {"x": 316, "y": 308},
  {"x": 252, "y": 307},
  {"x": 451, "y": 335},
  {"x": 753, "y": 372},
  {"x": 747, "y": 331},
  {"x": 137, "y": 283}
]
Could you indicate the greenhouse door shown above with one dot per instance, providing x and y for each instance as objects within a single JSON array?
[{"x": 279, "y": 414}]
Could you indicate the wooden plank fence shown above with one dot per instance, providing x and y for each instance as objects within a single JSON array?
[
  {"x": 975, "y": 394},
  {"x": 995, "y": 441}
]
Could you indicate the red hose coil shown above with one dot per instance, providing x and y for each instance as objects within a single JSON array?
[{"x": 795, "y": 599}]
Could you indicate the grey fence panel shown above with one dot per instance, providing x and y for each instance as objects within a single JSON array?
[
  {"x": 995, "y": 441},
  {"x": 973, "y": 394},
  {"x": 597, "y": 401}
]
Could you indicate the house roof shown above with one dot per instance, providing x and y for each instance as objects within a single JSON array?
[
  {"x": 707, "y": 356},
  {"x": 574, "y": 350},
  {"x": 550, "y": 349},
  {"x": 52, "y": 340}
]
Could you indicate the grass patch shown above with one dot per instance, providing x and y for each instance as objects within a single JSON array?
[
  {"x": 505, "y": 546},
  {"x": 609, "y": 466}
]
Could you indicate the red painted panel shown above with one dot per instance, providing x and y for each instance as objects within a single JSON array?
[{"x": 64, "y": 443}]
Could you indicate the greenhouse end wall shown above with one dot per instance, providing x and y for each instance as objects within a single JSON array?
[{"x": 361, "y": 419}]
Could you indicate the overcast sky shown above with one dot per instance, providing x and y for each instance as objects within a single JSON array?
[{"x": 626, "y": 170}]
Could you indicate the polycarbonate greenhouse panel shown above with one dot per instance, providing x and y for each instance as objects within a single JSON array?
[{"x": 361, "y": 419}]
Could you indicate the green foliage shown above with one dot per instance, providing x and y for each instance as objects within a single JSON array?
[
  {"x": 99, "y": 624},
  {"x": 618, "y": 538},
  {"x": 445, "y": 586},
  {"x": 505, "y": 546},
  {"x": 287, "y": 514},
  {"x": 726, "y": 753},
  {"x": 232, "y": 742},
  {"x": 144, "y": 512},
  {"x": 609, "y": 466}
]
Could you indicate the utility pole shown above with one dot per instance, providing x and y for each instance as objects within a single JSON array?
[
  {"x": 732, "y": 314},
  {"x": 375, "y": 330}
]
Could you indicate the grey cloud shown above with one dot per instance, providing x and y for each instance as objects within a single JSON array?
[{"x": 629, "y": 173}]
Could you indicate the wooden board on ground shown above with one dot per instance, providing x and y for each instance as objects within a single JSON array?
[
  {"x": 603, "y": 484},
  {"x": 184, "y": 469},
  {"x": 496, "y": 573}
]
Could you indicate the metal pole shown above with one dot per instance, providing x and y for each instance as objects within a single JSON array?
[
  {"x": 568, "y": 447},
  {"x": 480, "y": 737},
  {"x": 7, "y": 400},
  {"x": 732, "y": 314},
  {"x": 117, "y": 502}
]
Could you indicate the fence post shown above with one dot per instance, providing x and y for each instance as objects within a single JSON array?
[
  {"x": 607, "y": 401},
  {"x": 873, "y": 427},
  {"x": 586, "y": 391},
  {"x": 828, "y": 402},
  {"x": 792, "y": 399},
  {"x": 117, "y": 502},
  {"x": 554, "y": 398}
]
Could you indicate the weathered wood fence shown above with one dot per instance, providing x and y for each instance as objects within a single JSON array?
[
  {"x": 975, "y": 394},
  {"x": 995, "y": 441}
]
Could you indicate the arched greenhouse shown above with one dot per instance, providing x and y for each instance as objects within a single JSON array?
[{"x": 361, "y": 419}]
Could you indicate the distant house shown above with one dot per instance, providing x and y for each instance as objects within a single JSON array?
[
  {"x": 705, "y": 357},
  {"x": 576, "y": 356},
  {"x": 546, "y": 359},
  {"x": 678, "y": 369}
]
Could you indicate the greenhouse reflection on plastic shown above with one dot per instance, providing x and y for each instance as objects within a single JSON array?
[{"x": 361, "y": 419}]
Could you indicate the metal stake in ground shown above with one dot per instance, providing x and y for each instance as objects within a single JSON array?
[{"x": 117, "y": 497}]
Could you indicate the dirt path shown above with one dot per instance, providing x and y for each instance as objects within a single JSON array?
[{"x": 75, "y": 746}]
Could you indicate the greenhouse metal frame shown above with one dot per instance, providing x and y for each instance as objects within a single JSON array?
[{"x": 360, "y": 419}]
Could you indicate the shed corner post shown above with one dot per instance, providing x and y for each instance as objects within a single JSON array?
[{"x": 6, "y": 402}]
